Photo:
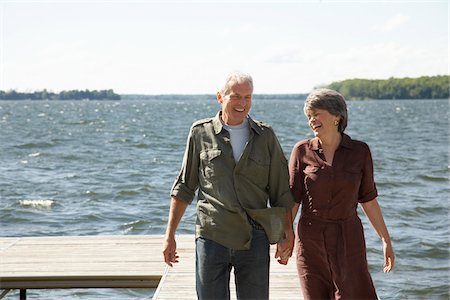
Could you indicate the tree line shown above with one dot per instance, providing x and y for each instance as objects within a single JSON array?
[
  {"x": 425, "y": 87},
  {"x": 63, "y": 95}
]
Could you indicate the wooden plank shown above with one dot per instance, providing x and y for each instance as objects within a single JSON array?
[
  {"x": 81, "y": 261},
  {"x": 95, "y": 281},
  {"x": 116, "y": 262},
  {"x": 179, "y": 281},
  {"x": 7, "y": 242}
]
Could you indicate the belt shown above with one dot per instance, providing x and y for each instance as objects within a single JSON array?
[
  {"x": 255, "y": 224},
  {"x": 341, "y": 240}
]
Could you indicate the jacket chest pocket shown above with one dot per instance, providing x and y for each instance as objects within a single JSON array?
[
  {"x": 259, "y": 168},
  {"x": 211, "y": 164}
]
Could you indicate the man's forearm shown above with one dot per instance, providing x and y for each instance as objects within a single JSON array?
[{"x": 176, "y": 212}]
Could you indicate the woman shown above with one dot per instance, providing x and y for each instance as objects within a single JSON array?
[{"x": 329, "y": 175}]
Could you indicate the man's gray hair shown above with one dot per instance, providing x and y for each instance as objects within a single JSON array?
[
  {"x": 236, "y": 77},
  {"x": 328, "y": 100}
]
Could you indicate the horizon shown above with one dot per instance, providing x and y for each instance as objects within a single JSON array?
[
  {"x": 199, "y": 94},
  {"x": 188, "y": 47}
]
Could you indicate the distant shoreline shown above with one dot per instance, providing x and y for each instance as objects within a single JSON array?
[
  {"x": 209, "y": 96},
  {"x": 425, "y": 87},
  {"x": 191, "y": 97}
]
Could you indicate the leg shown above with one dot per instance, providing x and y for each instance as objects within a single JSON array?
[
  {"x": 357, "y": 283},
  {"x": 312, "y": 263},
  {"x": 252, "y": 268},
  {"x": 212, "y": 270}
]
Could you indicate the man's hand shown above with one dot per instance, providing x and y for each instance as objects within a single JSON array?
[
  {"x": 170, "y": 251},
  {"x": 284, "y": 248},
  {"x": 177, "y": 209}
]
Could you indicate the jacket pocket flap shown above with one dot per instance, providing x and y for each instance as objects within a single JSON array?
[{"x": 210, "y": 154}]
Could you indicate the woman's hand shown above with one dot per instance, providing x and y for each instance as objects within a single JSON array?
[
  {"x": 389, "y": 257},
  {"x": 284, "y": 248}
]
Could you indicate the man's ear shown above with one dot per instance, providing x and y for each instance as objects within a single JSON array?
[{"x": 219, "y": 97}]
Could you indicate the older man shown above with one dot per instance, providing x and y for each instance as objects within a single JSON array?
[{"x": 241, "y": 174}]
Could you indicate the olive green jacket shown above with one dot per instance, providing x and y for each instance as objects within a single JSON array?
[{"x": 257, "y": 186}]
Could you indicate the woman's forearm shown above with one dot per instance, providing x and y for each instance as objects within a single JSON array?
[{"x": 373, "y": 212}]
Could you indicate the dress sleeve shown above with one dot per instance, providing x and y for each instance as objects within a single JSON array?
[
  {"x": 296, "y": 175},
  {"x": 367, "y": 189}
]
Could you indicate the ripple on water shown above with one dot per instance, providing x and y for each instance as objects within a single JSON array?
[
  {"x": 39, "y": 203},
  {"x": 136, "y": 226},
  {"x": 35, "y": 145},
  {"x": 126, "y": 194},
  {"x": 112, "y": 175},
  {"x": 432, "y": 178}
]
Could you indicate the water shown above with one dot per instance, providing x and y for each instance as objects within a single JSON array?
[{"x": 106, "y": 168}]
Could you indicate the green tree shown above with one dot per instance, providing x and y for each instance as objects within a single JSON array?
[{"x": 425, "y": 87}]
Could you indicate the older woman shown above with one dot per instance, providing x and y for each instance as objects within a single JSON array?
[{"x": 329, "y": 175}]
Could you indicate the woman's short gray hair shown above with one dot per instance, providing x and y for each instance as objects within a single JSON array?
[
  {"x": 331, "y": 101},
  {"x": 236, "y": 77}
]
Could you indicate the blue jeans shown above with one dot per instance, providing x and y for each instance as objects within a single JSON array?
[{"x": 251, "y": 269}]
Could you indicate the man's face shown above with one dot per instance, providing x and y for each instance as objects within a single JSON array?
[{"x": 236, "y": 103}]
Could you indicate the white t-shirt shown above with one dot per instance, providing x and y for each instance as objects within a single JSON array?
[{"x": 239, "y": 135}]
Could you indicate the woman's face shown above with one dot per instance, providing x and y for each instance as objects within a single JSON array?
[{"x": 322, "y": 122}]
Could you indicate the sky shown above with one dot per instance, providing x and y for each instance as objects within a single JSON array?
[{"x": 189, "y": 47}]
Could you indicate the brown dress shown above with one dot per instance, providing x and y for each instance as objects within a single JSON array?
[{"x": 331, "y": 257}]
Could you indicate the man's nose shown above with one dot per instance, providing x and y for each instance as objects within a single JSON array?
[{"x": 242, "y": 101}]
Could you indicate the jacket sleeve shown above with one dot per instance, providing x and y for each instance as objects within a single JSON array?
[
  {"x": 186, "y": 182},
  {"x": 279, "y": 192}
]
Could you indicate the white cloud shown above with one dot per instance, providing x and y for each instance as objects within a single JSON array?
[
  {"x": 392, "y": 23},
  {"x": 302, "y": 68}
]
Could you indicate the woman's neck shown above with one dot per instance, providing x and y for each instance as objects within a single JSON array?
[
  {"x": 331, "y": 141},
  {"x": 329, "y": 145}
]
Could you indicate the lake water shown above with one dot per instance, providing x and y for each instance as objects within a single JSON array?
[{"x": 106, "y": 168}]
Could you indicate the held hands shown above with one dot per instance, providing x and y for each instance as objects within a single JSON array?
[
  {"x": 170, "y": 251},
  {"x": 284, "y": 248}
]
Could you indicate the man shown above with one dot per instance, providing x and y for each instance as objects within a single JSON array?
[{"x": 244, "y": 198}]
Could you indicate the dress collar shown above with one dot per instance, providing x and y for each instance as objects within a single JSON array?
[{"x": 346, "y": 142}]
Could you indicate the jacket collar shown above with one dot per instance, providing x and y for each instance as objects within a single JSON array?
[{"x": 218, "y": 126}]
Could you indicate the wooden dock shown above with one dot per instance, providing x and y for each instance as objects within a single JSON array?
[{"x": 115, "y": 262}]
